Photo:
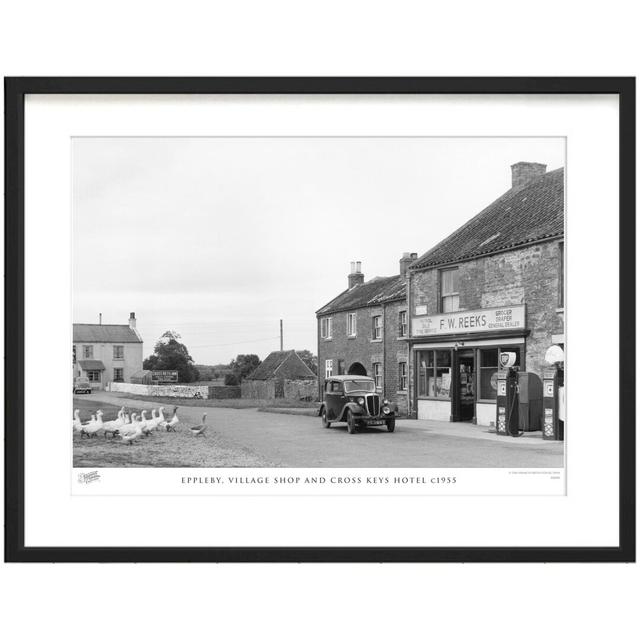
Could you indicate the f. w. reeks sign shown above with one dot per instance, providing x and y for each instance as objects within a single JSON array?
[{"x": 478, "y": 320}]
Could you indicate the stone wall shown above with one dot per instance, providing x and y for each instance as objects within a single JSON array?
[
  {"x": 220, "y": 392},
  {"x": 278, "y": 389},
  {"x": 301, "y": 390},
  {"x": 163, "y": 390},
  {"x": 258, "y": 389}
]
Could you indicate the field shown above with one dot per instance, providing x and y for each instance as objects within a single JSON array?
[{"x": 160, "y": 449}]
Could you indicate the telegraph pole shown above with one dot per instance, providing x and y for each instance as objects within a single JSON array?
[{"x": 281, "y": 340}]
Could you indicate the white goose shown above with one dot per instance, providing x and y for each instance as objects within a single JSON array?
[
  {"x": 113, "y": 426},
  {"x": 144, "y": 423},
  {"x": 91, "y": 428},
  {"x": 77, "y": 424},
  {"x": 171, "y": 425},
  {"x": 200, "y": 429},
  {"x": 153, "y": 422},
  {"x": 131, "y": 431}
]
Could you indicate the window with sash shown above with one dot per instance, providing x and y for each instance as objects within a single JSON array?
[{"x": 449, "y": 296}]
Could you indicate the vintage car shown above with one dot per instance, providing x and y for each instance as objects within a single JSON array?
[
  {"x": 81, "y": 385},
  {"x": 354, "y": 400}
]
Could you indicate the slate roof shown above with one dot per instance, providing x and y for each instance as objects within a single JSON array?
[
  {"x": 282, "y": 364},
  {"x": 374, "y": 292},
  {"x": 104, "y": 333},
  {"x": 91, "y": 365},
  {"x": 521, "y": 216}
]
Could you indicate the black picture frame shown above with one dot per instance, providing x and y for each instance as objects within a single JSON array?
[{"x": 15, "y": 91}]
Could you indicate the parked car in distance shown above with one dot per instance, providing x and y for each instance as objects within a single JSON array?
[
  {"x": 81, "y": 385},
  {"x": 354, "y": 400}
]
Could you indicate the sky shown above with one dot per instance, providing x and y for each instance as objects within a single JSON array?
[{"x": 220, "y": 238}]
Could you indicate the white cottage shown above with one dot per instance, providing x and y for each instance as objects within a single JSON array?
[{"x": 107, "y": 352}]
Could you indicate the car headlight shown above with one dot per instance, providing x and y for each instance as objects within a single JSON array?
[
  {"x": 361, "y": 401},
  {"x": 386, "y": 410}
]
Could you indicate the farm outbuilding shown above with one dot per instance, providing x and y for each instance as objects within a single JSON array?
[{"x": 283, "y": 374}]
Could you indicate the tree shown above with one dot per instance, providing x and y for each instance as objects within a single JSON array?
[
  {"x": 309, "y": 359},
  {"x": 243, "y": 365},
  {"x": 230, "y": 380},
  {"x": 170, "y": 354}
]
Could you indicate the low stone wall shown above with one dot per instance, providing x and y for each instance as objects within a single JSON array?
[
  {"x": 301, "y": 390},
  {"x": 161, "y": 390},
  {"x": 219, "y": 392},
  {"x": 287, "y": 389},
  {"x": 258, "y": 389}
]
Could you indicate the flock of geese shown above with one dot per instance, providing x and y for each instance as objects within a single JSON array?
[{"x": 130, "y": 427}]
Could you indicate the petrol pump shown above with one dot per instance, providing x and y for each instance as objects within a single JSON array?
[
  {"x": 553, "y": 395},
  {"x": 507, "y": 401}
]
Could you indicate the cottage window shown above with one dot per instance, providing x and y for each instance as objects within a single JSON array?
[
  {"x": 376, "y": 331},
  {"x": 434, "y": 373},
  {"x": 328, "y": 368},
  {"x": 87, "y": 352},
  {"x": 351, "y": 324},
  {"x": 74, "y": 354},
  {"x": 377, "y": 374},
  {"x": 118, "y": 375},
  {"x": 402, "y": 324},
  {"x": 326, "y": 328},
  {"x": 118, "y": 352},
  {"x": 449, "y": 296},
  {"x": 402, "y": 376},
  {"x": 93, "y": 376}
]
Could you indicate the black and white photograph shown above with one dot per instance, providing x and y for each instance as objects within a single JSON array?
[{"x": 318, "y": 302}]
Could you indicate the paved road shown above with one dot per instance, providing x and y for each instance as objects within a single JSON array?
[{"x": 301, "y": 441}]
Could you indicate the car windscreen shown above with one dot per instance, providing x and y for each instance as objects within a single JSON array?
[{"x": 359, "y": 385}]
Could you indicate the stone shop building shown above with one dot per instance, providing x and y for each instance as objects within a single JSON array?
[
  {"x": 494, "y": 285},
  {"x": 364, "y": 331}
]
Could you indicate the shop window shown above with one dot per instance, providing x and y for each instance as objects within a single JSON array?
[
  {"x": 328, "y": 368},
  {"x": 93, "y": 376},
  {"x": 118, "y": 375},
  {"x": 377, "y": 374},
  {"x": 449, "y": 296},
  {"x": 402, "y": 324},
  {"x": 87, "y": 352},
  {"x": 489, "y": 367},
  {"x": 118, "y": 352},
  {"x": 376, "y": 330},
  {"x": 326, "y": 328},
  {"x": 402, "y": 376},
  {"x": 351, "y": 324},
  {"x": 434, "y": 373},
  {"x": 488, "y": 373}
]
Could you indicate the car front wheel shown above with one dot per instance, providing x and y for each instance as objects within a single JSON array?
[
  {"x": 325, "y": 421},
  {"x": 391, "y": 425},
  {"x": 351, "y": 422}
]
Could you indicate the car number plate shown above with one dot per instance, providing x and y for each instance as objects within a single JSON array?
[{"x": 375, "y": 423}]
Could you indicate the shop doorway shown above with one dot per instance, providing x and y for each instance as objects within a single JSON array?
[{"x": 463, "y": 397}]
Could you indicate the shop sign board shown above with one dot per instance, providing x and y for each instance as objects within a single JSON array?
[
  {"x": 474, "y": 321},
  {"x": 164, "y": 377}
]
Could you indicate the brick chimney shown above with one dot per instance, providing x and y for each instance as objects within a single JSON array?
[
  {"x": 356, "y": 276},
  {"x": 524, "y": 172},
  {"x": 132, "y": 320},
  {"x": 405, "y": 261}
]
